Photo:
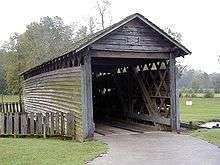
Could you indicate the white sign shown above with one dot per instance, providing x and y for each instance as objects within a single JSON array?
[{"x": 188, "y": 102}]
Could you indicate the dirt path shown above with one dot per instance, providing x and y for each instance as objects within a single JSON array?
[{"x": 157, "y": 148}]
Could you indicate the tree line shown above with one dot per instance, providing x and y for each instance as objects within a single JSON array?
[
  {"x": 42, "y": 41},
  {"x": 199, "y": 81},
  {"x": 45, "y": 39}
]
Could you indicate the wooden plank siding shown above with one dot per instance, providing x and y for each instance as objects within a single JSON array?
[
  {"x": 56, "y": 91},
  {"x": 134, "y": 36},
  {"x": 39, "y": 124}
]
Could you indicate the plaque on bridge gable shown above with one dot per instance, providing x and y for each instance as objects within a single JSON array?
[{"x": 132, "y": 40}]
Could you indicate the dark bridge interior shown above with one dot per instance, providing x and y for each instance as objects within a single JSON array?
[{"x": 117, "y": 90}]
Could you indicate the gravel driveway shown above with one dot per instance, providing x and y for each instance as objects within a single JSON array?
[{"x": 157, "y": 148}]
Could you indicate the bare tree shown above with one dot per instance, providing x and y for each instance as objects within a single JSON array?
[
  {"x": 92, "y": 25},
  {"x": 176, "y": 35},
  {"x": 103, "y": 8}
]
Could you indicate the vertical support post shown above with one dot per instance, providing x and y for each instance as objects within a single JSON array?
[
  {"x": 175, "y": 124},
  {"x": 177, "y": 111},
  {"x": 86, "y": 82}
]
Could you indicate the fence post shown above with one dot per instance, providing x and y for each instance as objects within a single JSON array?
[
  {"x": 39, "y": 124},
  {"x": 46, "y": 122},
  {"x": 52, "y": 123},
  {"x": 9, "y": 123},
  {"x": 70, "y": 125},
  {"x": 62, "y": 126},
  {"x": 31, "y": 117},
  {"x": 16, "y": 124},
  {"x": 23, "y": 123},
  {"x": 57, "y": 126},
  {"x": 44, "y": 127}
]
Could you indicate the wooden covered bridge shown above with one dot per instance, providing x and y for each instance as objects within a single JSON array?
[{"x": 124, "y": 71}]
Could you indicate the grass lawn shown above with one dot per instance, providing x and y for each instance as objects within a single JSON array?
[
  {"x": 202, "y": 110},
  {"x": 22, "y": 151},
  {"x": 210, "y": 135},
  {"x": 9, "y": 98}
]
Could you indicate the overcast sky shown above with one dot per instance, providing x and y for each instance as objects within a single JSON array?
[{"x": 197, "y": 20}]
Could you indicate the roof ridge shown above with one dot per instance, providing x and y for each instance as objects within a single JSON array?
[{"x": 89, "y": 39}]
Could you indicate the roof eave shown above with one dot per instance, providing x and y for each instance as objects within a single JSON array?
[{"x": 129, "y": 18}]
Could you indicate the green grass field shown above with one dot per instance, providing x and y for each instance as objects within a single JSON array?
[
  {"x": 25, "y": 151},
  {"x": 202, "y": 110},
  {"x": 210, "y": 135}
]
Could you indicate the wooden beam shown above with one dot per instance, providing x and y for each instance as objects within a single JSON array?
[
  {"x": 86, "y": 82},
  {"x": 116, "y": 54},
  {"x": 155, "y": 119},
  {"x": 175, "y": 124}
]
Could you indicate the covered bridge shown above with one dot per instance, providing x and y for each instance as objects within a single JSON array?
[{"x": 124, "y": 71}]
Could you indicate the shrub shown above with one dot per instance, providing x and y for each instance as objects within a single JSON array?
[
  {"x": 193, "y": 95},
  {"x": 209, "y": 94}
]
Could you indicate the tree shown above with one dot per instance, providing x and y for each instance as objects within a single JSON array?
[
  {"x": 82, "y": 32},
  {"x": 179, "y": 67},
  {"x": 176, "y": 35},
  {"x": 41, "y": 41},
  {"x": 12, "y": 74},
  {"x": 10, "y": 66},
  {"x": 199, "y": 80},
  {"x": 103, "y": 8},
  {"x": 215, "y": 78},
  {"x": 2, "y": 72},
  {"x": 92, "y": 25},
  {"x": 48, "y": 37}
]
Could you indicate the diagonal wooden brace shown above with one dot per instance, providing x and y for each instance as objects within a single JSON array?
[{"x": 145, "y": 94}]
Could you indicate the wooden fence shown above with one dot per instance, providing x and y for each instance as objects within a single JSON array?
[
  {"x": 42, "y": 124},
  {"x": 11, "y": 107}
]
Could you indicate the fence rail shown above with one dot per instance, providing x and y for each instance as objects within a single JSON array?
[
  {"x": 11, "y": 107},
  {"x": 44, "y": 124}
]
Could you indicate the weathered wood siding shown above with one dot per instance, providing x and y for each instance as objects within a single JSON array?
[
  {"x": 43, "y": 124},
  {"x": 56, "y": 91},
  {"x": 134, "y": 36}
]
